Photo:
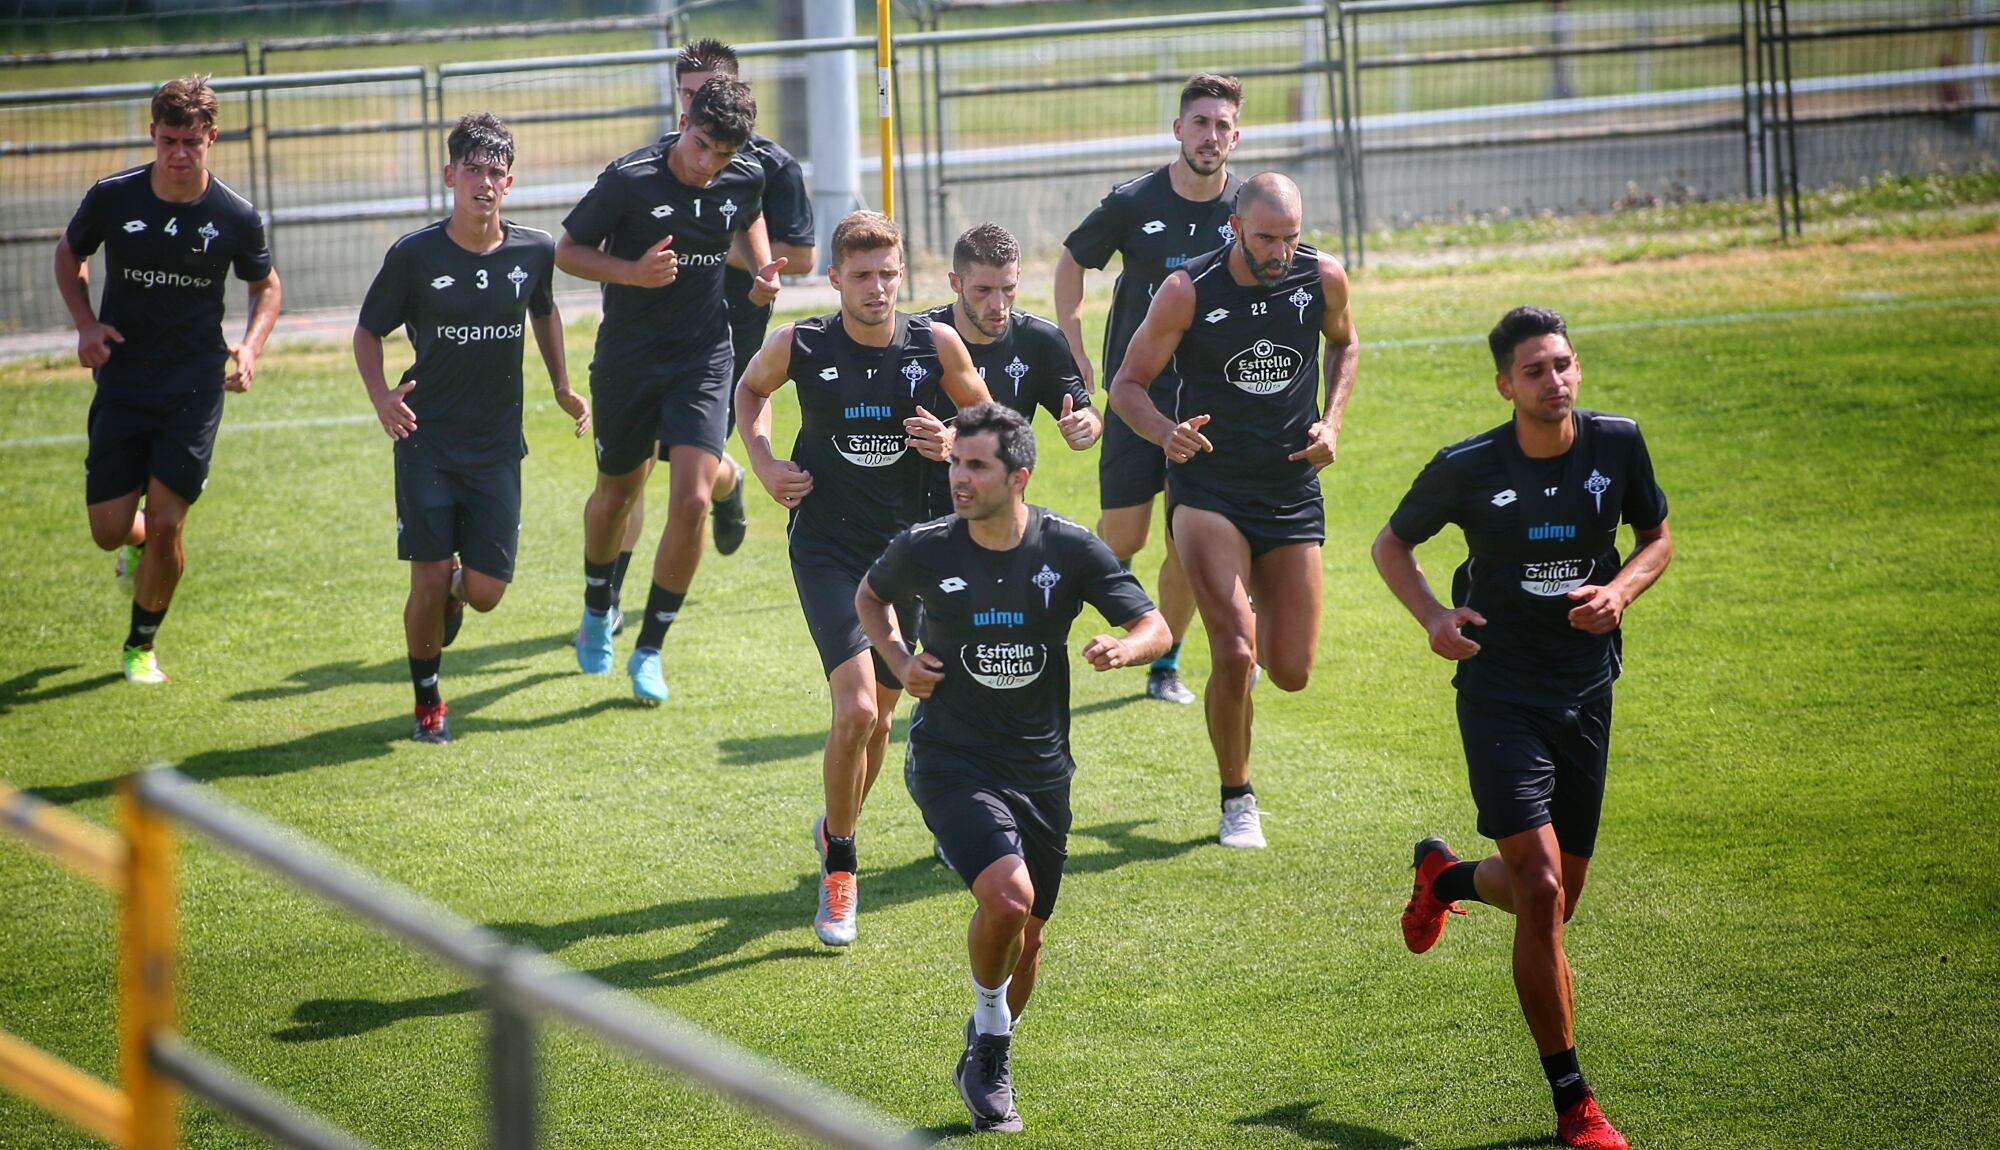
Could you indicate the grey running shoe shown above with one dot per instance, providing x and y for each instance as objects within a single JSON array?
[
  {"x": 985, "y": 1081},
  {"x": 1242, "y": 823},
  {"x": 1164, "y": 684}
]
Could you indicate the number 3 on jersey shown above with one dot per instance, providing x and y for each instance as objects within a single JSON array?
[{"x": 482, "y": 278}]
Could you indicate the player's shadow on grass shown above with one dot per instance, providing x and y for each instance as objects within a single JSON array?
[
  {"x": 1297, "y": 1118},
  {"x": 757, "y": 750},
  {"x": 25, "y": 688},
  {"x": 468, "y": 660},
  {"x": 340, "y": 746},
  {"x": 733, "y": 923}
]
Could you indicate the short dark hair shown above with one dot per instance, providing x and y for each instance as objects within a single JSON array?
[
  {"x": 1518, "y": 327},
  {"x": 480, "y": 132},
  {"x": 988, "y": 244},
  {"x": 864, "y": 231},
  {"x": 1208, "y": 85},
  {"x": 186, "y": 102},
  {"x": 707, "y": 54},
  {"x": 725, "y": 109},
  {"x": 1014, "y": 438}
]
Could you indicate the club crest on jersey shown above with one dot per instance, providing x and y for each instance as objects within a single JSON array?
[
  {"x": 1264, "y": 368},
  {"x": 1597, "y": 485},
  {"x": 133, "y": 227},
  {"x": 1153, "y": 227},
  {"x": 870, "y": 448},
  {"x": 915, "y": 373},
  {"x": 728, "y": 210},
  {"x": 1228, "y": 233},
  {"x": 208, "y": 234},
  {"x": 1015, "y": 371},
  {"x": 1004, "y": 666},
  {"x": 663, "y": 211},
  {"x": 443, "y": 282},
  {"x": 1555, "y": 578},
  {"x": 1300, "y": 299},
  {"x": 517, "y": 277},
  {"x": 1216, "y": 316},
  {"x": 1046, "y": 579}
]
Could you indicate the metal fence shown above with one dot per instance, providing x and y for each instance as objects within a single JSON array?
[
  {"x": 1386, "y": 111},
  {"x": 519, "y": 985}
]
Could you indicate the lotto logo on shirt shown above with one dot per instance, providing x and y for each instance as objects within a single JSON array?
[
  {"x": 1556, "y": 578},
  {"x": 1263, "y": 368},
  {"x": 462, "y": 334},
  {"x": 147, "y": 277},
  {"x": 1004, "y": 666}
]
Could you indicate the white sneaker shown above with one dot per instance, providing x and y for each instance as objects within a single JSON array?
[{"x": 1242, "y": 824}]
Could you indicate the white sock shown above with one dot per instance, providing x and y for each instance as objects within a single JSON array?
[{"x": 989, "y": 1008}]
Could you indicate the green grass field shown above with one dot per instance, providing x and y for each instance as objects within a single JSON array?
[{"x": 1788, "y": 938}]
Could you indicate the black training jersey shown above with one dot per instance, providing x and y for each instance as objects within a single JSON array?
[
  {"x": 166, "y": 265},
  {"x": 466, "y": 314},
  {"x": 636, "y": 203},
  {"x": 1535, "y": 530},
  {"x": 1000, "y": 620},
  {"x": 788, "y": 210},
  {"x": 1250, "y": 362},
  {"x": 853, "y": 400},
  {"x": 1156, "y": 231},
  {"x": 1029, "y": 366}
]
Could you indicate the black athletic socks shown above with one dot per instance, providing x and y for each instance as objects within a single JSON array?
[
  {"x": 424, "y": 677},
  {"x": 840, "y": 854},
  {"x": 1236, "y": 792},
  {"x": 1454, "y": 883},
  {"x": 1565, "y": 1079},
  {"x": 618, "y": 567},
  {"x": 144, "y": 624},
  {"x": 662, "y": 606},
  {"x": 597, "y": 584}
]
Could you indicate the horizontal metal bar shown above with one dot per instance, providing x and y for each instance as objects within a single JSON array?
[
  {"x": 61, "y": 147},
  {"x": 83, "y": 846},
  {"x": 1127, "y": 79},
  {"x": 1905, "y": 112},
  {"x": 1896, "y": 27},
  {"x": 1202, "y": 20},
  {"x": 30, "y": 235},
  {"x": 1241, "y": 157},
  {"x": 1386, "y": 7},
  {"x": 144, "y": 91},
  {"x": 660, "y": 1037},
  {"x": 393, "y": 908},
  {"x": 1555, "y": 136},
  {"x": 630, "y": 112},
  {"x": 63, "y": 1090},
  {"x": 360, "y": 128},
  {"x": 274, "y": 1117},
  {"x": 1549, "y": 51},
  {"x": 652, "y": 56},
  {"x": 482, "y": 32},
  {"x": 131, "y": 52}
]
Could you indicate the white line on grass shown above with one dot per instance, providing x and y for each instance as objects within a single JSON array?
[{"x": 1719, "y": 320}]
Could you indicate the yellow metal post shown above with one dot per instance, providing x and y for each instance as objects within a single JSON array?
[
  {"x": 62, "y": 1089},
  {"x": 883, "y": 108},
  {"x": 146, "y": 969}
]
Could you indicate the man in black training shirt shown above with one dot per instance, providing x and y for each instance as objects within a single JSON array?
[
  {"x": 788, "y": 220},
  {"x": 171, "y": 233},
  {"x": 464, "y": 288},
  {"x": 1244, "y": 448},
  {"x": 655, "y": 230},
  {"x": 1155, "y": 223},
  {"x": 863, "y": 376},
  {"x": 989, "y": 760},
  {"x": 1023, "y": 358},
  {"x": 1534, "y": 628}
]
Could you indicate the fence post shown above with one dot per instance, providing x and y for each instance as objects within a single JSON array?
[
  {"x": 510, "y": 1050},
  {"x": 146, "y": 968}
]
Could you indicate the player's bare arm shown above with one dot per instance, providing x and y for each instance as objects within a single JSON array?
[
  {"x": 398, "y": 421},
  {"x": 1396, "y": 561},
  {"x": 1080, "y": 426},
  {"x": 754, "y": 243},
  {"x": 1169, "y": 318},
  {"x": 93, "y": 338},
  {"x": 1343, "y": 354},
  {"x": 657, "y": 268},
  {"x": 1146, "y": 638},
  {"x": 769, "y": 370},
  {"x": 1069, "y": 314},
  {"x": 266, "y": 299},
  {"x": 1600, "y": 609},
  {"x": 920, "y": 673},
  {"x": 928, "y": 434},
  {"x": 549, "y": 340}
]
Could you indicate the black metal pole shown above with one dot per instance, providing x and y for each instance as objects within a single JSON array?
[
  {"x": 510, "y": 1050},
  {"x": 1335, "y": 104},
  {"x": 1351, "y": 66},
  {"x": 1791, "y": 118}
]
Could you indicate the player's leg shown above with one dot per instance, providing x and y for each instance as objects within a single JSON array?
[
  {"x": 1286, "y": 583},
  {"x": 423, "y": 632},
  {"x": 116, "y": 522},
  {"x": 115, "y": 474},
  {"x": 486, "y": 533},
  {"x": 1130, "y": 472},
  {"x": 844, "y": 781},
  {"x": 604, "y": 526},
  {"x": 1216, "y": 557},
  {"x": 635, "y": 526},
  {"x": 690, "y": 476},
  {"x": 747, "y": 324}
]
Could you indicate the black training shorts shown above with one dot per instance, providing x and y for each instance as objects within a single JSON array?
[
  {"x": 474, "y": 514},
  {"x": 979, "y": 822},
  {"x": 1130, "y": 468},
  {"x": 747, "y": 325},
  {"x": 827, "y": 579},
  {"x": 1531, "y": 766},
  {"x": 681, "y": 401},
  {"x": 1268, "y": 518},
  {"x": 169, "y": 437}
]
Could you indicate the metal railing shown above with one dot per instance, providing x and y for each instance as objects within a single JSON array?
[{"x": 520, "y": 986}]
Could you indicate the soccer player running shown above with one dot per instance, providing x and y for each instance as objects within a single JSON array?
[
  {"x": 463, "y": 288},
  {"x": 1534, "y": 628},
  {"x": 655, "y": 230},
  {"x": 989, "y": 765},
  {"x": 851, "y": 484},
  {"x": 171, "y": 232},
  {"x": 788, "y": 220},
  {"x": 1156, "y": 223},
  {"x": 1023, "y": 358},
  {"x": 1244, "y": 448}
]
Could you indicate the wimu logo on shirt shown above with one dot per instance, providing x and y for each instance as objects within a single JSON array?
[
  {"x": 869, "y": 411},
  {"x": 1553, "y": 531},
  {"x": 993, "y": 618}
]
